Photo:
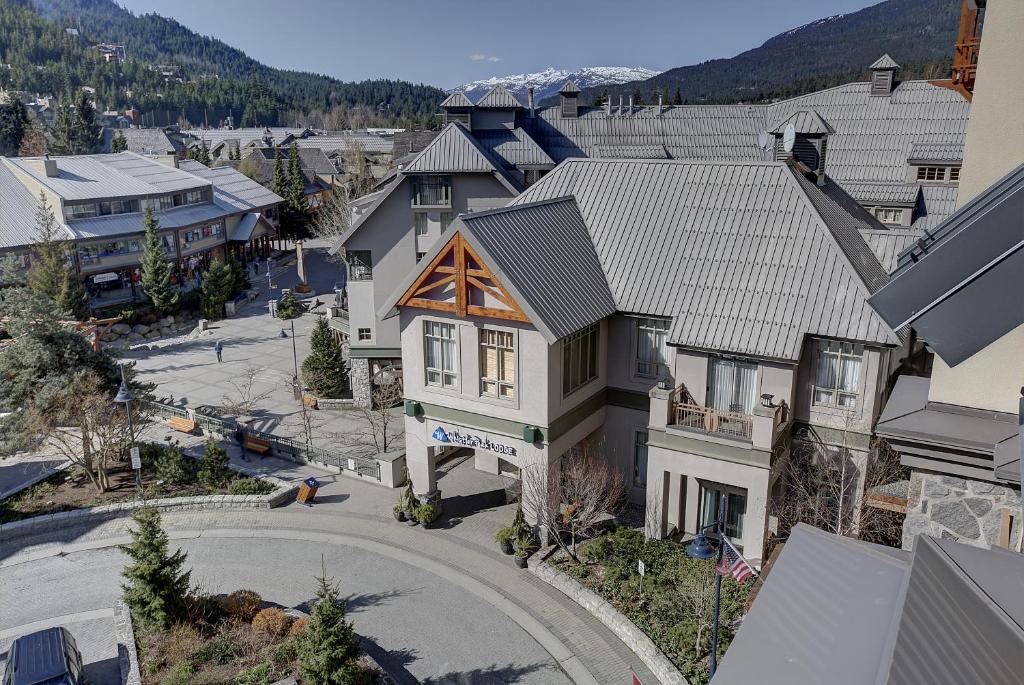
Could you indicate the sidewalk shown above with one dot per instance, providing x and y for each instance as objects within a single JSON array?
[{"x": 24, "y": 469}]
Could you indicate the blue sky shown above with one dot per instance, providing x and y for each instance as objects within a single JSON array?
[{"x": 448, "y": 42}]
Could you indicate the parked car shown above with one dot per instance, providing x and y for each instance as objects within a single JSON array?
[{"x": 48, "y": 657}]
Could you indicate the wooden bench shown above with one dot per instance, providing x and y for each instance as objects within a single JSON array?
[
  {"x": 310, "y": 401},
  {"x": 182, "y": 424},
  {"x": 257, "y": 445}
]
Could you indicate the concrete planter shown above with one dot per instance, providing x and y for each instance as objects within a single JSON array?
[{"x": 127, "y": 653}]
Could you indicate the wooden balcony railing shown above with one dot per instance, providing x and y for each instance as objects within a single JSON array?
[{"x": 686, "y": 413}]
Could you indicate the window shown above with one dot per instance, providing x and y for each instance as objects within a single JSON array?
[
  {"x": 889, "y": 215},
  {"x": 360, "y": 267},
  {"x": 82, "y": 211},
  {"x": 420, "y": 255},
  {"x": 735, "y": 508},
  {"x": 190, "y": 197},
  {"x": 837, "y": 374},
  {"x": 954, "y": 174},
  {"x": 111, "y": 248},
  {"x": 652, "y": 348},
  {"x": 938, "y": 174},
  {"x": 432, "y": 191},
  {"x": 497, "y": 364},
  {"x": 420, "y": 221},
  {"x": 640, "y": 458},
  {"x": 439, "y": 354},
  {"x": 165, "y": 202},
  {"x": 732, "y": 385},
  {"x": 579, "y": 358},
  {"x": 446, "y": 220},
  {"x": 363, "y": 334}
]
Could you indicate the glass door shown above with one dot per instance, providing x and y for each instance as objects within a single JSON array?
[{"x": 711, "y": 495}]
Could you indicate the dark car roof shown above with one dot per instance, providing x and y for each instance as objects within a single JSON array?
[{"x": 39, "y": 656}]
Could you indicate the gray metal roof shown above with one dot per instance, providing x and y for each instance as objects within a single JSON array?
[
  {"x": 93, "y": 177},
  {"x": 498, "y": 98},
  {"x": 935, "y": 152},
  {"x": 311, "y": 159},
  {"x": 887, "y": 243},
  {"x": 126, "y": 224},
  {"x": 884, "y": 62},
  {"x": 742, "y": 255},
  {"x": 245, "y": 136},
  {"x": 515, "y": 147},
  {"x": 888, "y": 194},
  {"x": 457, "y": 99},
  {"x": 952, "y": 285},
  {"x": 630, "y": 152},
  {"x": 568, "y": 88},
  {"x": 839, "y": 611},
  {"x": 335, "y": 142},
  {"x": 150, "y": 141},
  {"x": 804, "y": 121},
  {"x": 233, "y": 189},
  {"x": 18, "y": 208},
  {"x": 455, "y": 150}
]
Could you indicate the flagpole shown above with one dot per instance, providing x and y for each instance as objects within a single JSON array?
[{"x": 720, "y": 529}]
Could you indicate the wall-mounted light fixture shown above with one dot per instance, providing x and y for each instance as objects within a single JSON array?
[{"x": 766, "y": 401}]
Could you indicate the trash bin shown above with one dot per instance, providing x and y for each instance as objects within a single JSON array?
[{"x": 307, "y": 491}]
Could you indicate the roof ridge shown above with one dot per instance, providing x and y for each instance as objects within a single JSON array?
[{"x": 499, "y": 210}]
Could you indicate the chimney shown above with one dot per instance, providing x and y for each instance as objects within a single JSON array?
[
  {"x": 620, "y": 105},
  {"x": 630, "y": 104},
  {"x": 167, "y": 160},
  {"x": 608, "y": 105},
  {"x": 529, "y": 102},
  {"x": 660, "y": 104},
  {"x": 50, "y": 167}
]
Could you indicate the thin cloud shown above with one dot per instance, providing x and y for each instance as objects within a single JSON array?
[{"x": 480, "y": 57}]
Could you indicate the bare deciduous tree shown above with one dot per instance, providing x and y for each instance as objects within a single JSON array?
[
  {"x": 334, "y": 217},
  {"x": 386, "y": 393},
  {"x": 245, "y": 397},
  {"x": 570, "y": 498},
  {"x": 85, "y": 427},
  {"x": 357, "y": 171}
]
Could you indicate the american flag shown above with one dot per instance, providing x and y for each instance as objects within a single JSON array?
[{"x": 733, "y": 563}]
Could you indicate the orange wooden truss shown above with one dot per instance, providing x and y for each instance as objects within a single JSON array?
[{"x": 458, "y": 281}]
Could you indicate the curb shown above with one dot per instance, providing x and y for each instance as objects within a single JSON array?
[
  {"x": 127, "y": 653},
  {"x": 634, "y": 638}
]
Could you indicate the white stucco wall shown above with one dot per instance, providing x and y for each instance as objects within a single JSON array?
[{"x": 991, "y": 379}]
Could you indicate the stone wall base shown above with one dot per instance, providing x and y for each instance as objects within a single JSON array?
[
  {"x": 359, "y": 381},
  {"x": 969, "y": 511}
]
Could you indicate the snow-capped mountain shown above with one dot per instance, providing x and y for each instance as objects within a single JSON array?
[{"x": 547, "y": 82}]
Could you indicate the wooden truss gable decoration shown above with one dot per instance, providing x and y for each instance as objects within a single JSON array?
[{"x": 458, "y": 281}]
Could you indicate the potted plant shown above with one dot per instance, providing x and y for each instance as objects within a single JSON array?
[
  {"x": 520, "y": 527},
  {"x": 504, "y": 538},
  {"x": 427, "y": 514},
  {"x": 399, "y": 511},
  {"x": 410, "y": 504},
  {"x": 522, "y": 547}
]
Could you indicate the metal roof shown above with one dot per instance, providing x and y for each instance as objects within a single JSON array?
[
  {"x": 884, "y": 62},
  {"x": 742, "y": 255},
  {"x": 952, "y": 285},
  {"x": 18, "y": 208},
  {"x": 127, "y": 224},
  {"x": 245, "y": 136},
  {"x": 840, "y": 611},
  {"x": 888, "y": 194},
  {"x": 630, "y": 152},
  {"x": 804, "y": 121},
  {"x": 887, "y": 243},
  {"x": 457, "y": 99},
  {"x": 150, "y": 141},
  {"x": 498, "y": 98},
  {"x": 233, "y": 189},
  {"x": 311, "y": 159},
  {"x": 568, "y": 88},
  {"x": 94, "y": 177},
  {"x": 334, "y": 142},
  {"x": 935, "y": 152},
  {"x": 515, "y": 147},
  {"x": 455, "y": 150}
]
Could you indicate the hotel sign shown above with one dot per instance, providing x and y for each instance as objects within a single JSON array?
[{"x": 467, "y": 440}]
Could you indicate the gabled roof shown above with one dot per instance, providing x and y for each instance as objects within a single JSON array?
[
  {"x": 884, "y": 62},
  {"x": 543, "y": 254},
  {"x": 515, "y": 147},
  {"x": 840, "y": 611},
  {"x": 888, "y": 194},
  {"x": 455, "y": 150},
  {"x": 953, "y": 285},
  {"x": 457, "y": 99},
  {"x": 745, "y": 257},
  {"x": 18, "y": 208},
  {"x": 311, "y": 158},
  {"x": 804, "y": 121},
  {"x": 887, "y": 243},
  {"x": 150, "y": 141},
  {"x": 935, "y": 152},
  {"x": 498, "y": 98},
  {"x": 232, "y": 189},
  {"x": 569, "y": 88}
]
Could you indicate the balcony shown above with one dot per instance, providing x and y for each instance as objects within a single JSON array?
[
  {"x": 762, "y": 427},
  {"x": 434, "y": 192}
]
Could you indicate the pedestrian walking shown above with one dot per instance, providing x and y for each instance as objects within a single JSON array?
[
  {"x": 240, "y": 439},
  {"x": 219, "y": 349}
]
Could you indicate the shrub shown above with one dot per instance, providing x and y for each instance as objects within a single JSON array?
[
  {"x": 203, "y": 609},
  {"x": 189, "y": 301},
  {"x": 328, "y": 649},
  {"x": 428, "y": 513},
  {"x": 171, "y": 466},
  {"x": 215, "y": 469},
  {"x": 183, "y": 644},
  {"x": 271, "y": 621},
  {"x": 242, "y": 605},
  {"x": 287, "y": 306},
  {"x": 250, "y": 486},
  {"x": 219, "y": 650},
  {"x": 504, "y": 535},
  {"x": 180, "y": 674},
  {"x": 257, "y": 675},
  {"x": 298, "y": 627}
]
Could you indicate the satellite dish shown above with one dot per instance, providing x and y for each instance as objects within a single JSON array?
[
  {"x": 762, "y": 140},
  {"x": 789, "y": 138}
]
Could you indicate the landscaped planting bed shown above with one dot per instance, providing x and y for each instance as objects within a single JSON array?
[{"x": 675, "y": 607}]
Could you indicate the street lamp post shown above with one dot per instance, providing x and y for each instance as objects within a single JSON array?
[
  {"x": 295, "y": 363},
  {"x": 701, "y": 548},
  {"x": 124, "y": 396}
]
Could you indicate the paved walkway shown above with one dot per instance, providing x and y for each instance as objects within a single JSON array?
[{"x": 21, "y": 470}]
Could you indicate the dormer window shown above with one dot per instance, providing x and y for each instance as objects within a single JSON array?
[
  {"x": 889, "y": 215},
  {"x": 938, "y": 174},
  {"x": 570, "y": 95},
  {"x": 883, "y": 75}
]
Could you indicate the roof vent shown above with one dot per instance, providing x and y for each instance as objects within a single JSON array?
[
  {"x": 883, "y": 75},
  {"x": 50, "y": 167},
  {"x": 569, "y": 94},
  {"x": 529, "y": 102}
]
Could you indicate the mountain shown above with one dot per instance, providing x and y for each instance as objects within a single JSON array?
[
  {"x": 173, "y": 72},
  {"x": 919, "y": 34},
  {"x": 547, "y": 82}
]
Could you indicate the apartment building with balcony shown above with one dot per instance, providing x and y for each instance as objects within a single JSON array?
[
  {"x": 98, "y": 203},
  {"x": 691, "y": 318},
  {"x": 894, "y": 146}
]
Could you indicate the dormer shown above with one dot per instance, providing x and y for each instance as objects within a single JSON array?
[
  {"x": 496, "y": 110},
  {"x": 457, "y": 107},
  {"x": 809, "y": 148},
  {"x": 883, "y": 75},
  {"x": 569, "y": 95}
]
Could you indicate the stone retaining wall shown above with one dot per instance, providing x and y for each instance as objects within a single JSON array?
[
  {"x": 960, "y": 509},
  {"x": 624, "y": 629},
  {"x": 127, "y": 653}
]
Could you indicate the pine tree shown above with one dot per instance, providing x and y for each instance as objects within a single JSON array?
[
  {"x": 204, "y": 154},
  {"x": 216, "y": 289},
  {"x": 215, "y": 469},
  {"x": 13, "y": 123},
  {"x": 49, "y": 262},
  {"x": 156, "y": 271},
  {"x": 239, "y": 276},
  {"x": 278, "y": 173},
  {"x": 324, "y": 368},
  {"x": 678, "y": 99},
  {"x": 328, "y": 649},
  {"x": 158, "y": 584},
  {"x": 287, "y": 307},
  {"x": 73, "y": 298},
  {"x": 63, "y": 130},
  {"x": 118, "y": 143},
  {"x": 296, "y": 198}
]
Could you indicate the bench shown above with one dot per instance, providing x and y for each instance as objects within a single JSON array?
[
  {"x": 257, "y": 445},
  {"x": 182, "y": 424},
  {"x": 310, "y": 401}
]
